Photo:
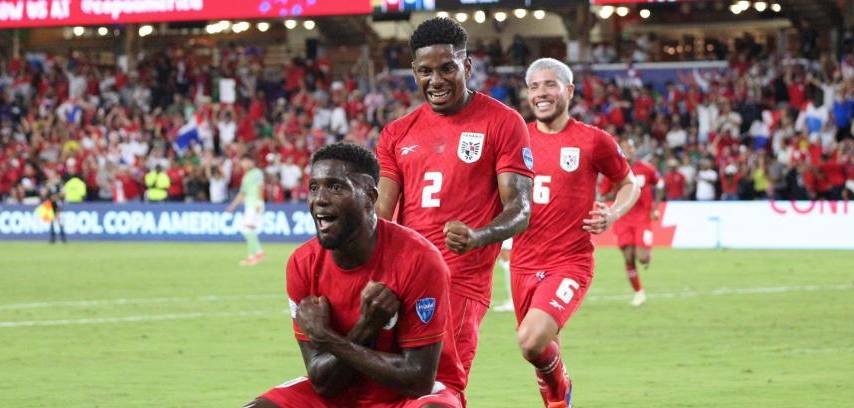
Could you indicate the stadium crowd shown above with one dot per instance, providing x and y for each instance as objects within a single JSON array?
[{"x": 769, "y": 126}]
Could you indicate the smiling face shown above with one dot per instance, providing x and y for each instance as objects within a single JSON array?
[
  {"x": 441, "y": 72},
  {"x": 548, "y": 96},
  {"x": 339, "y": 201}
]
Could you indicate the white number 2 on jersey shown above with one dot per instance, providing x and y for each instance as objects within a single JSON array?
[
  {"x": 567, "y": 289},
  {"x": 434, "y": 180},
  {"x": 541, "y": 192}
]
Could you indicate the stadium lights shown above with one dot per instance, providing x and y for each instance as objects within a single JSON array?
[
  {"x": 308, "y": 24},
  {"x": 760, "y": 6},
  {"x": 240, "y": 27},
  {"x": 520, "y": 13},
  {"x": 102, "y": 31},
  {"x": 606, "y": 12},
  {"x": 735, "y": 9},
  {"x": 479, "y": 16},
  {"x": 500, "y": 16},
  {"x": 461, "y": 17},
  {"x": 145, "y": 30},
  {"x": 776, "y": 7},
  {"x": 539, "y": 14},
  {"x": 622, "y": 11},
  {"x": 224, "y": 25},
  {"x": 78, "y": 31},
  {"x": 263, "y": 26},
  {"x": 443, "y": 14},
  {"x": 290, "y": 24},
  {"x": 645, "y": 13},
  {"x": 212, "y": 29},
  {"x": 743, "y": 4}
]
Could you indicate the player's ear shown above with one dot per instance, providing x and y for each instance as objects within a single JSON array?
[
  {"x": 467, "y": 67},
  {"x": 372, "y": 193}
]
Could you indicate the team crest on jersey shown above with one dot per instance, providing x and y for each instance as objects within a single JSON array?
[
  {"x": 470, "y": 147},
  {"x": 425, "y": 308},
  {"x": 570, "y": 157}
]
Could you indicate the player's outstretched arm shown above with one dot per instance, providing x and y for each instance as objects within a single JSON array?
[
  {"x": 389, "y": 194},
  {"x": 515, "y": 192}
]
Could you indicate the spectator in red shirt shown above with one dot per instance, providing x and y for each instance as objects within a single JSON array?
[{"x": 674, "y": 182}]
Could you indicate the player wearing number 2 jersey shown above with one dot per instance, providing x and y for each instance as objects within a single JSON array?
[
  {"x": 459, "y": 167},
  {"x": 552, "y": 261}
]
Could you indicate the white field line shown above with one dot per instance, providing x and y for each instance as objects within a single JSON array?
[
  {"x": 143, "y": 318},
  {"x": 139, "y": 301},
  {"x": 195, "y": 315}
]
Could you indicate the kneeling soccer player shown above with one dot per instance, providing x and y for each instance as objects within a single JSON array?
[{"x": 373, "y": 313}]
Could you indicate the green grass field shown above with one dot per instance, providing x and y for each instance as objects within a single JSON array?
[{"x": 181, "y": 325}]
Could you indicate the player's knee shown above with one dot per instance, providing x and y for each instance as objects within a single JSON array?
[
  {"x": 532, "y": 342},
  {"x": 644, "y": 259}
]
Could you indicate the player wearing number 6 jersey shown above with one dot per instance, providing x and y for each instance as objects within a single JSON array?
[
  {"x": 552, "y": 261},
  {"x": 459, "y": 167}
]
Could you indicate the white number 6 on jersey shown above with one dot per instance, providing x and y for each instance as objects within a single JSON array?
[
  {"x": 434, "y": 178},
  {"x": 541, "y": 191},
  {"x": 567, "y": 289}
]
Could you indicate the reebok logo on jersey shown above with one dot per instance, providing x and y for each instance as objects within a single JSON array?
[
  {"x": 425, "y": 308},
  {"x": 541, "y": 275},
  {"x": 407, "y": 149},
  {"x": 556, "y": 305}
]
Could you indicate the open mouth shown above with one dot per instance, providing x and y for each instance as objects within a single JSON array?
[
  {"x": 543, "y": 105},
  {"x": 324, "y": 221},
  {"x": 439, "y": 96}
]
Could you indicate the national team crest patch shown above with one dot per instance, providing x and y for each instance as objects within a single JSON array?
[
  {"x": 470, "y": 147},
  {"x": 528, "y": 157},
  {"x": 425, "y": 308},
  {"x": 570, "y": 157}
]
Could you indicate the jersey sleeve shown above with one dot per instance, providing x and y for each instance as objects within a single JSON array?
[
  {"x": 424, "y": 302},
  {"x": 609, "y": 159},
  {"x": 297, "y": 290},
  {"x": 386, "y": 155},
  {"x": 513, "y": 153}
]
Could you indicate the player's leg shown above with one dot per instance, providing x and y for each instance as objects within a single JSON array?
[
  {"x": 467, "y": 315},
  {"x": 556, "y": 297},
  {"x": 296, "y": 393},
  {"x": 53, "y": 223},
  {"x": 644, "y": 247},
  {"x": 627, "y": 241},
  {"x": 441, "y": 397},
  {"x": 504, "y": 265},
  {"x": 61, "y": 228},
  {"x": 251, "y": 225}
]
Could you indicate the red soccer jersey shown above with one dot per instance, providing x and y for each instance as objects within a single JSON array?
[
  {"x": 674, "y": 185},
  {"x": 420, "y": 280},
  {"x": 447, "y": 168},
  {"x": 648, "y": 177},
  {"x": 566, "y": 167}
]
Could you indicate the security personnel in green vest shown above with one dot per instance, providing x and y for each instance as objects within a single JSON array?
[
  {"x": 157, "y": 185},
  {"x": 74, "y": 190}
]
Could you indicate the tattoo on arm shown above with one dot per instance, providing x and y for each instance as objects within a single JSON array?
[
  {"x": 515, "y": 191},
  {"x": 329, "y": 375}
]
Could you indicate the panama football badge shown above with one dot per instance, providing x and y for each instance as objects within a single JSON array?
[
  {"x": 425, "y": 308},
  {"x": 471, "y": 146},
  {"x": 528, "y": 158},
  {"x": 569, "y": 158}
]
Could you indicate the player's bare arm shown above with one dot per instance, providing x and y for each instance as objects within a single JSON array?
[
  {"x": 515, "y": 192},
  {"x": 658, "y": 193},
  {"x": 412, "y": 372},
  {"x": 329, "y": 375},
  {"x": 602, "y": 216},
  {"x": 234, "y": 203},
  {"x": 389, "y": 194}
]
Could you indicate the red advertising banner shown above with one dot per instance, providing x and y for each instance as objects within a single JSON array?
[{"x": 41, "y": 13}]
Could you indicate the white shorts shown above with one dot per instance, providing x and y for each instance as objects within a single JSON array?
[
  {"x": 253, "y": 218},
  {"x": 507, "y": 244}
]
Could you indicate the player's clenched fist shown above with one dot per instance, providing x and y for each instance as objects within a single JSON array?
[
  {"x": 379, "y": 304},
  {"x": 459, "y": 237},
  {"x": 313, "y": 317}
]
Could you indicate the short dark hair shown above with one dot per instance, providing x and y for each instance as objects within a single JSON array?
[
  {"x": 358, "y": 158},
  {"x": 438, "y": 30}
]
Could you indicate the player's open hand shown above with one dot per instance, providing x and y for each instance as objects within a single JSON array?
[
  {"x": 379, "y": 304},
  {"x": 313, "y": 317},
  {"x": 459, "y": 237},
  {"x": 601, "y": 218}
]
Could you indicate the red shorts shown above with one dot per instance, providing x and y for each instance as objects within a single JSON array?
[
  {"x": 558, "y": 293},
  {"x": 638, "y": 235},
  {"x": 298, "y": 393},
  {"x": 467, "y": 315}
]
